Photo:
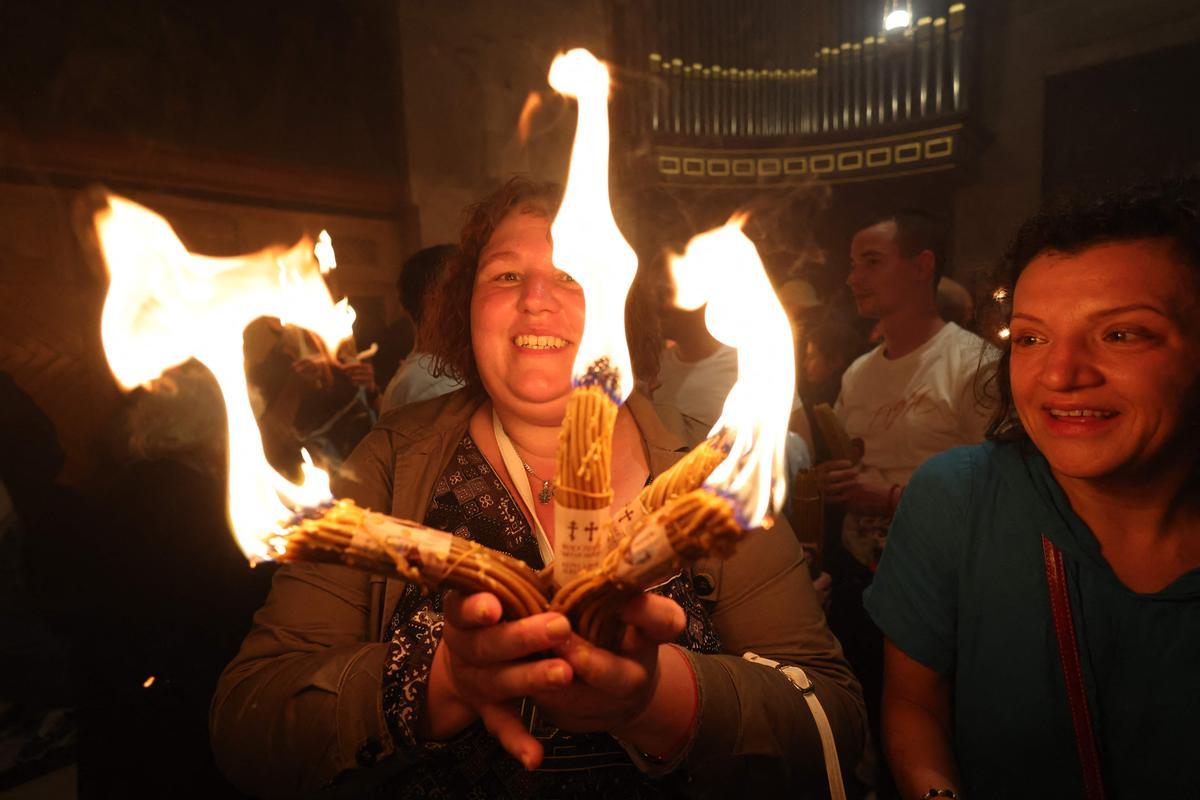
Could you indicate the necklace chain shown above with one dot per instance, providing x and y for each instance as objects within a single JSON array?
[{"x": 547, "y": 492}]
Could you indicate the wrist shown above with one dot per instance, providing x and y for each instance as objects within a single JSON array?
[{"x": 663, "y": 728}]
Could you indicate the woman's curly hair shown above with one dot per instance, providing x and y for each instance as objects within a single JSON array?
[
  {"x": 446, "y": 325},
  {"x": 1070, "y": 225}
]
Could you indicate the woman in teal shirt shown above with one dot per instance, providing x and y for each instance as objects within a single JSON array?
[{"x": 1088, "y": 496}]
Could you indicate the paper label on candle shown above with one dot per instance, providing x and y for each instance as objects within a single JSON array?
[
  {"x": 649, "y": 560},
  {"x": 426, "y": 550},
  {"x": 580, "y": 540},
  {"x": 626, "y": 519}
]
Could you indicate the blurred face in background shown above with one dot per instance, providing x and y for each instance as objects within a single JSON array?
[
  {"x": 1105, "y": 363},
  {"x": 818, "y": 367}
]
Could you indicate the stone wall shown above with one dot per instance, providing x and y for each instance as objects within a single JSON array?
[
  {"x": 1024, "y": 43},
  {"x": 469, "y": 68}
]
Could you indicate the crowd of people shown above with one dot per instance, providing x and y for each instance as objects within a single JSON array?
[
  {"x": 1013, "y": 547},
  {"x": 1005, "y": 600}
]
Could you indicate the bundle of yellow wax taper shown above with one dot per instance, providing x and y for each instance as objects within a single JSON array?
[
  {"x": 836, "y": 438},
  {"x": 701, "y": 523},
  {"x": 583, "y": 474},
  {"x": 808, "y": 508},
  {"x": 344, "y": 533},
  {"x": 681, "y": 477},
  {"x": 671, "y": 522},
  {"x": 672, "y": 510}
]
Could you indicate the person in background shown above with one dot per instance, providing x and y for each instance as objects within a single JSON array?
[
  {"x": 1040, "y": 593},
  {"x": 954, "y": 303},
  {"x": 696, "y": 372},
  {"x": 832, "y": 346},
  {"x": 803, "y": 307},
  {"x": 395, "y": 344},
  {"x": 914, "y": 395},
  {"x": 305, "y": 400},
  {"x": 345, "y": 677},
  {"x": 38, "y": 725},
  {"x": 911, "y": 397},
  {"x": 415, "y": 381}
]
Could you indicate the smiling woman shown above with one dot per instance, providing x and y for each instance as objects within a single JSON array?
[
  {"x": 343, "y": 673},
  {"x": 1105, "y": 358},
  {"x": 1041, "y": 593}
]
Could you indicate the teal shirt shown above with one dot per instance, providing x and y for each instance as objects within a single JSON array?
[{"x": 961, "y": 588}]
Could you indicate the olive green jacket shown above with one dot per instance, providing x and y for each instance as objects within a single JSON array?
[{"x": 301, "y": 704}]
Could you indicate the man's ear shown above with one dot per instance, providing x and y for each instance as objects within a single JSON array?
[{"x": 926, "y": 264}]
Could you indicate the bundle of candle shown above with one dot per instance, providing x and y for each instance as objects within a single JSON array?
[
  {"x": 589, "y": 247},
  {"x": 685, "y": 474},
  {"x": 729, "y": 484},
  {"x": 592, "y": 599},
  {"x": 836, "y": 438},
  {"x": 699, "y": 524},
  {"x": 343, "y": 533},
  {"x": 583, "y": 473},
  {"x": 808, "y": 508}
]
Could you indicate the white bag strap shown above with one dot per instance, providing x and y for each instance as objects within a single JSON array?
[
  {"x": 833, "y": 767},
  {"x": 516, "y": 472}
]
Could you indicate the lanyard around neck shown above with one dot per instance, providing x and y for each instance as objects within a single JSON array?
[{"x": 516, "y": 473}]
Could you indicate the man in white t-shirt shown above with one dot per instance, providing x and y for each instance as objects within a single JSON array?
[{"x": 916, "y": 394}]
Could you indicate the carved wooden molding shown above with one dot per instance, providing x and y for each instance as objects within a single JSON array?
[
  {"x": 916, "y": 151},
  {"x": 146, "y": 165}
]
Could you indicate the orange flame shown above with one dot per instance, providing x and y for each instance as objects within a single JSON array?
[
  {"x": 533, "y": 103},
  {"x": 166, "y": 305},
  {"x": 722, "y": 268},
  {"x": 587, "y": 243}
]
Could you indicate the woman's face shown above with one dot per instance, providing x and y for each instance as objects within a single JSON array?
[
  {"x": 526, "y": 321},
  {"x": 1106, "y": 357}
]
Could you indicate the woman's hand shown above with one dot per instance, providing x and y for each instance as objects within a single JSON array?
[
  {"x": 644, "y": 693},
  {"x": 482, "y": 664}
]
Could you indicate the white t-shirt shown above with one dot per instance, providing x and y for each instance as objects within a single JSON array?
[
  {"x": 697, "y": 389},
  {"x": 911, "y": 408},
  {"x": 414, "y": 382},
  {"x": 908, "y": 409}
]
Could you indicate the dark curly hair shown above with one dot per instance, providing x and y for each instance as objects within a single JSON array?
[
  {"x": 446, "y": 327},
  {"x": 1070, "y": 225}
]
